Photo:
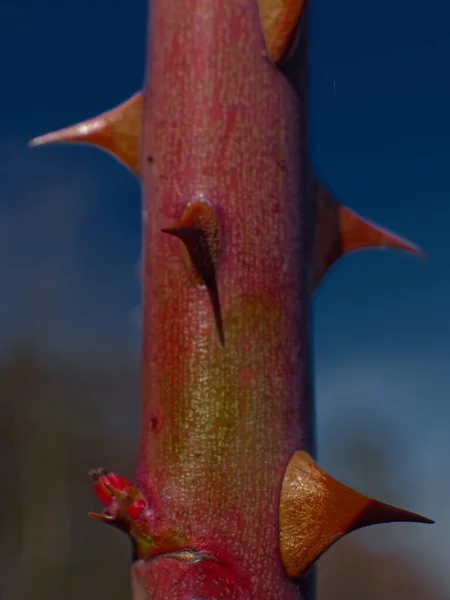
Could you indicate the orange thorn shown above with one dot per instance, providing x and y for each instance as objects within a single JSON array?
[
  {"x": 340, "y": 230},
  {"x": 279, "y": 18},
  {"x": 316, "y": 510},
  {"x": 117, "y": 131}
]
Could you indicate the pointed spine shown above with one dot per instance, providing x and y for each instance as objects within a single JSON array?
[
  {"x": 117, "y": 131},
  {"x": 316, "y": 510},
  {"x": 279, "y": 19},
  {"x": 199, "y": 232},
  {"x": 340, "y": 230}
]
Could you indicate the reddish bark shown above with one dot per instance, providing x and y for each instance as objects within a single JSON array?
[{"x": 223, "y": 129}]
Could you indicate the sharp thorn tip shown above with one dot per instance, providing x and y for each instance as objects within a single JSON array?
[
  {"x": 428, "y": 521},
  {"x": 34, "y": 142}
]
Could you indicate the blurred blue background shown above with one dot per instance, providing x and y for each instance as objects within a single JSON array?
[{"x": 70, "y": 239}]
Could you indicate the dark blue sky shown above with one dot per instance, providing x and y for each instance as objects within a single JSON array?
[{"x": 70, "y": 216}]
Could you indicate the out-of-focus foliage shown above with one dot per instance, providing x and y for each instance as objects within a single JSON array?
[
  {"x": 53, "y": 432},
  {"x": 59, "y": 419}
]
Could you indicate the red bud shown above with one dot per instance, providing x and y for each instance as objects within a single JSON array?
[
  {"x": 106, "y": 483},
  {"x": 136, "y": 508}
]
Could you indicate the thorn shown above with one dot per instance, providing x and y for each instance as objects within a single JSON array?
[
  {"x": 117, "y": 131},
  {"x": 213, "y": 292},
  {"x": 197, "y": 247},
  {"x": 316, "y": 510},
  {"x": 377, "y": 512},
  {"x": 279, "y": 19},
  {"x": 199, "y": 231},
  {"x": 340, "y": 230}
]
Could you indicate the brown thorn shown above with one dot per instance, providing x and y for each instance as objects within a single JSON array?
[
  {"x": 339, "y": 230},
  {"x": 316, "y": 510},
  {"x": 213, "y": 292},
  {"x": 279, "y": 19},
  {"x": 118, "y": 131}
]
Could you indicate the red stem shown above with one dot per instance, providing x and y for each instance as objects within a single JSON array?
[{"x": 221, "y": 423}]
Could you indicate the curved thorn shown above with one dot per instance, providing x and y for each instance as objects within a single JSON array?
[
  {"x": 316, "y": 510},
  {"x": 340, "y": 230},
  {"x": 118, "y": 131},
  {"x": 279, "y": 19},
  {"x": 197, "y": 247},
  {"x": 199, "y": 231}
]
